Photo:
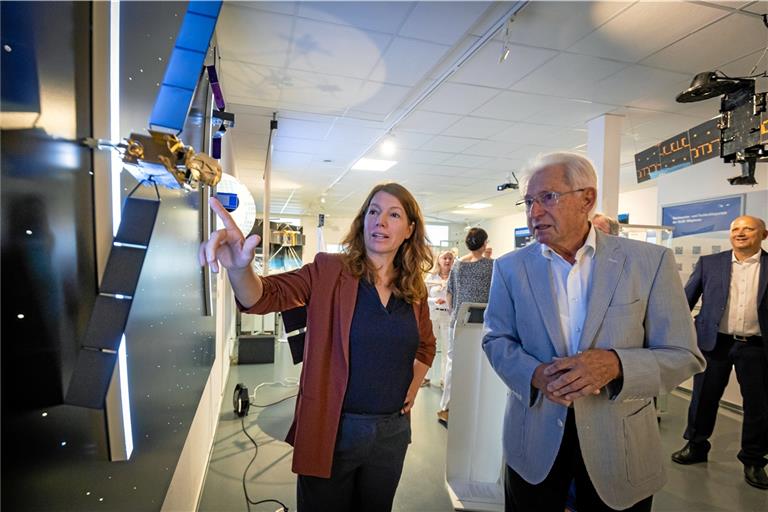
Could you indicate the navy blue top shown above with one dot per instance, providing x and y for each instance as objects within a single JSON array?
[{"x": 382, "y": 348}]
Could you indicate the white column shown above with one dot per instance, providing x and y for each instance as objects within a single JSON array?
[{"x": 604, "y": 149}]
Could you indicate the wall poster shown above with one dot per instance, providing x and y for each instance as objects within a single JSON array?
[{"x": 702, "y": 216}]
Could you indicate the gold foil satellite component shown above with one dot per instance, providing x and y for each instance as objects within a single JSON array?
[{"x": 164, "y": 159}]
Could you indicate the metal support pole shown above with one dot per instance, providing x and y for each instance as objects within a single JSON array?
[{"x": 266, "y": 232}]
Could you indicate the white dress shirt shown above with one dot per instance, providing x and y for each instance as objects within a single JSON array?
[
  {"x": 571, "y": 285},
  {"x": 740, "y": 315}
]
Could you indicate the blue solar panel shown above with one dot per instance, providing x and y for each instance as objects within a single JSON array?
[
  {"x": 205, "y": 8},
  {"x": 171, "y": 107},
  {"x": 193, "y": 31},
  {"x": 184, "y": 67}
]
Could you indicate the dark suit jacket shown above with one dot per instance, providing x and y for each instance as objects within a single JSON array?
[
  {"x": 330, "y": 294},
  {"x": 711, "y": 280}
]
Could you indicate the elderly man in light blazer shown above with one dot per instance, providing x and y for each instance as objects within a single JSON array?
[{"x": 585, "y": 329}]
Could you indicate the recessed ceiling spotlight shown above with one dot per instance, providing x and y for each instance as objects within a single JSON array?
[{"x": 388, "y": 146}]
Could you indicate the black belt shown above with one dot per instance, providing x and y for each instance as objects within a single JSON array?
[{"x": 756, "y": 340}]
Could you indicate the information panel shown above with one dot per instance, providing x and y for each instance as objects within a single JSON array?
[
  {"x": 702, "y": 216},
  {"x": 522, "y": 237}
]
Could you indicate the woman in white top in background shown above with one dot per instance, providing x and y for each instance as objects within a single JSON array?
[{"x": 439, "y": 309}]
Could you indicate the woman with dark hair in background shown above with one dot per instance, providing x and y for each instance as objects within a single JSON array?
[
  {"x": 368, "y": 345},
  {"x": 470, "y": 281}
]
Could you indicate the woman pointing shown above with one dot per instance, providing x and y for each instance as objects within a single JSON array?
[{"x": 369, "y": 344}]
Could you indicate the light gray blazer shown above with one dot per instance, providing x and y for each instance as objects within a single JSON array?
[{"x": 638, "y": 309}]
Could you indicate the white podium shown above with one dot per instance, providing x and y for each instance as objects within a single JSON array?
[{"x": 474, "y": 461}]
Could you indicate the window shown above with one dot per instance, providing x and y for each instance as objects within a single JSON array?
[{"x": 438, "y": 234}]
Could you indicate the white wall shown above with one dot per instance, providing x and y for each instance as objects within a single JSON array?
[
  {"x": 501, "y": 232},
  {"x": 333, "y": 232},
  {"x": 641, "y": 205}
]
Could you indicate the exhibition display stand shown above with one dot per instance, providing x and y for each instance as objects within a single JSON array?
[{"x": 473, "y": 473}]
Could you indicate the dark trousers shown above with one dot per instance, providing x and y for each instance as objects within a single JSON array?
[
  {"x": 708, "y": 387},
  {"x": 550, "y": 495},
  {"x": 367, "y": 463}
]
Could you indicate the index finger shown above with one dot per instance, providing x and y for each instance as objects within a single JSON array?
[
  {"x": 563, "y": 381},
  {"x": 559, "y": 364},
  {"x": 226, "y": 218}
]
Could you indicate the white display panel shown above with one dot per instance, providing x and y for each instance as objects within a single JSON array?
[{"x": 474, "y": 460}]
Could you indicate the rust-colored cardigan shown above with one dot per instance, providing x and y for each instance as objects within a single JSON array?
[{"x": 330, "y": 293}]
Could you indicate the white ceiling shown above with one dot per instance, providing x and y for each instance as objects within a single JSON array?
[{"x": 339, "y": 74}]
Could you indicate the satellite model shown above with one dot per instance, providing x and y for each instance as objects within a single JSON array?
[
  {"x": 738, "y": 135},
  {"x": 157, "y": 159}
]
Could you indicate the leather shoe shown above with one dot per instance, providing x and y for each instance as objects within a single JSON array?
[
  {"x": 756, "y": 477},
  {"x": 689, "y": 455}
]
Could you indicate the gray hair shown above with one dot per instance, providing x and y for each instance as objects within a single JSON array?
[{"x": 579, "y": 171}]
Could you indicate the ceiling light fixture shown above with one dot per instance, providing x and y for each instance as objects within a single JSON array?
[
  {"x": 507, "y": 43},
  {"x": 504, "y": 54},
  {"x": 476, "y": 206},
  {"x": 373, "y": 164},
  {"x": 388, "y": 147}
]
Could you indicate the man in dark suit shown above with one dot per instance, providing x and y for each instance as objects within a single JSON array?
[{"x": 732, "y": 330}]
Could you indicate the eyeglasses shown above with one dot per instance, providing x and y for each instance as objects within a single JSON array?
[{"x": 545, "y": 199}]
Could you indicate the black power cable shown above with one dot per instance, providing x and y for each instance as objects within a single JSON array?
[
  {"x": 248, "y": 501},
  {"x": 241, "y": 409}
]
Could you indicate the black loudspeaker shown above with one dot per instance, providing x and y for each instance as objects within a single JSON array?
[
  {"x": 255, "y": 349},
  {"x": 240, "y": 400}
]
